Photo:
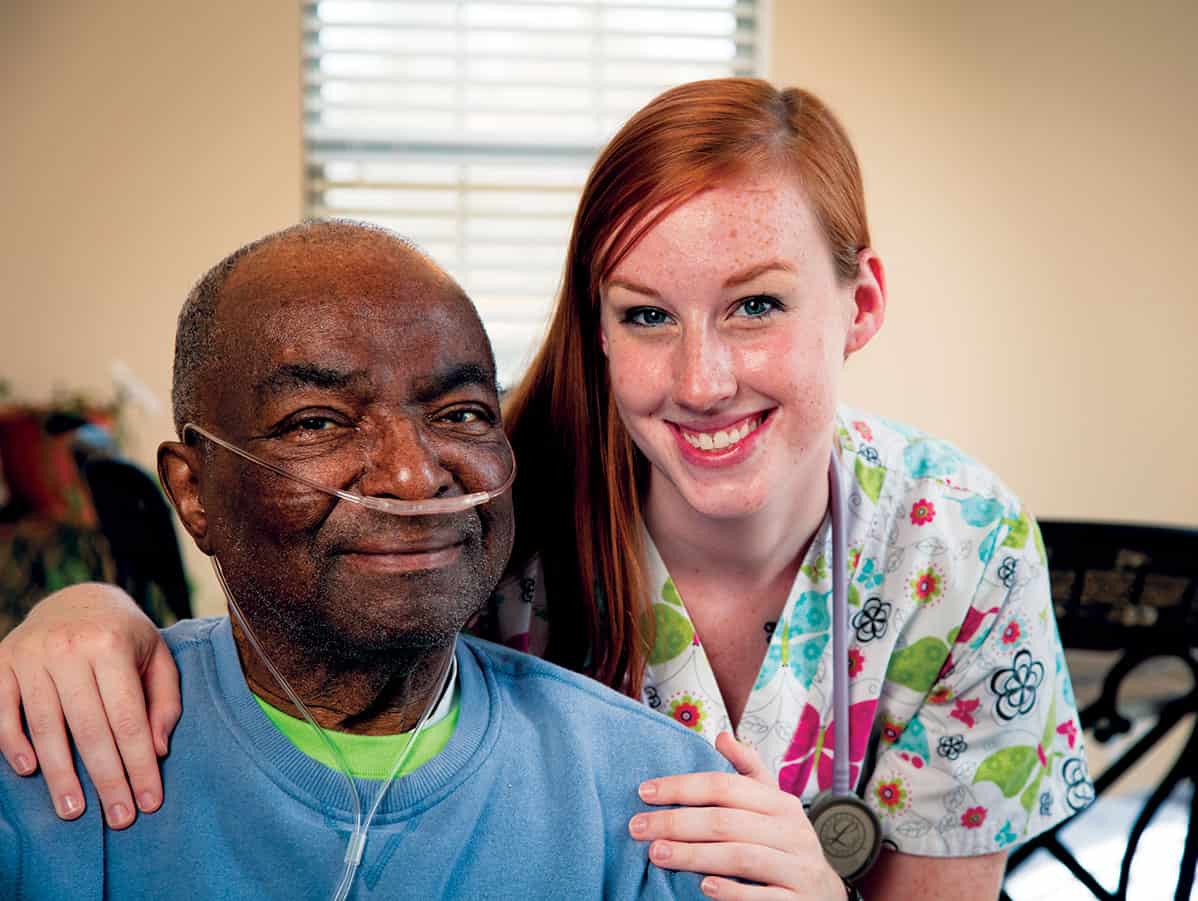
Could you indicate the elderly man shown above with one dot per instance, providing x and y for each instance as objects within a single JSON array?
[{"x": 338, "y": 353}]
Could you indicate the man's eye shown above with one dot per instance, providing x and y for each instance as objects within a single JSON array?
[
  {"x": 648, "y": 316},
  {"x": 315, "y": 424},
  {"x": 468, "y": 416},
  {"x": 758, "y": 307}
]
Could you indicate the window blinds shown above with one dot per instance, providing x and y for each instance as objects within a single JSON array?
[{"x": 470, "y": 126}]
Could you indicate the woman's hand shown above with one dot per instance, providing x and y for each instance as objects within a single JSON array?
[
  {"x": 740, "y": 826},
  {"x": 88, "y": 654}
]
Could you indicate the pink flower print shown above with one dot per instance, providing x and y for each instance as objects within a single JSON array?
[
  {"x": 688, "y": 711},
  {"x": 891, "y": 795},
  {"x": 1040, "y": 753},
  {"x": 811, "y": 748},
  {"x": 973, "y": 817},
  {"x": 863, "y": 430},
  {"x": 927, "y": 585},
  {"x": 1069, "y": 730},
  {"x": 1011, "y": 633},
  {"x": 963, "y": 710},
  {"x": 892, "y": 731},
  {"x": 856, "y": 662},
  {"x": 923, "y": 511}
]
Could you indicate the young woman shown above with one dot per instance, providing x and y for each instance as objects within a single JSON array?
[{"x": 674, "y": 435}]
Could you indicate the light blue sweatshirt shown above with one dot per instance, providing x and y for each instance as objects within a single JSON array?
[{"x": 530, "y": 798}]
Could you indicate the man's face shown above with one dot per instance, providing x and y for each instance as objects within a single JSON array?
[{"x": 359, "y": 367}]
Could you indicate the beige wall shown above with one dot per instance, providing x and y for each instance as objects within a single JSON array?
[
  {"x": 142, "y": 141},
  {"x": 1030, "y": 175}
]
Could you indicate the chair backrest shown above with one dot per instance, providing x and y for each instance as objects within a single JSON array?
[
  {"x": 137, "y": 522},
  {"x": 1117, "y": 585}
]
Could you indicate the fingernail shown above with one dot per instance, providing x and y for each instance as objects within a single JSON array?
[
  {"x": 161, "y": 746},
  {"x": 710, "y": 888},
  {"x": 69, "y": 807},
  {"x": 639, "y": 825},
  {"x": 146, "y": 801},
  {"x": 24, "y": 765},
  {"x": 118, "y": 815},
  {"x": 659, "y": 851},
  {"x": 648, "y": 791}
]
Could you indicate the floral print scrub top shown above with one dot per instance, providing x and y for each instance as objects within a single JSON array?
[{"x": 961, "y": 712}]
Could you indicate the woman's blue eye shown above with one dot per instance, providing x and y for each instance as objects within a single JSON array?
[
  {"x": 646, "y": 316},
  {"x": 759, "y": 306}
]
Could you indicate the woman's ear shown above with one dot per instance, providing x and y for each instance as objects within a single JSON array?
[
  {"x": 179, "y": 469},
  {"x": 868, "y": 308}
]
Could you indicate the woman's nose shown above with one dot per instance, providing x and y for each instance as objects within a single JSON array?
[
  {"x": 704, "y": 371},
  {"x": 403, "y": 463}
]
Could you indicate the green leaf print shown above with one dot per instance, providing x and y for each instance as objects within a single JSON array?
[
  {"x": 1017, "y": 537},
  {"x": 674, "y": 634},
  {"x": 817, "y": 570},
  {"x": 1009, "y": 769},
  {"x": 870, "y": 478},
  {"x": 1032, "y": 792},
  {"x": 670, "y": 594},
  {"x": 917, "y": 666}
]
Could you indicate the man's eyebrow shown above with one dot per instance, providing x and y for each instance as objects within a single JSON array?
[
  {"x": 307, "y": 375},
  {"x": 430, "y": 387},
  {"x": 747, "y": 275}
]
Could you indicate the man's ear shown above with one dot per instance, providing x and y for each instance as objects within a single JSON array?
[
  {"x": 868, "y": 302},
  {"x": 179, "y": 468}
]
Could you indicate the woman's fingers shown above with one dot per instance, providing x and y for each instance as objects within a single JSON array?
[
  {"x": 720, "y": 790},
  {"x": 744, "y": 759},
  {"x": 124, "y": 706},
  {"x": 43, "y": 716},
  {"x": 732, "y": 890},
  {"x": 717, "y": 824},
  {"x": 14, "y": 744},
  {"x": 161, "y": 683},
  {"x": 741, "y": 860},
  {"x": 83, "y": 709}
]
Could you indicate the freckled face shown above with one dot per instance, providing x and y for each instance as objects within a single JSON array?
[{"x": 725, "y": 333}]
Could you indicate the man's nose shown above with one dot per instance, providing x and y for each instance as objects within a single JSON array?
[
  {"x": 402, "y": 462},
  {"x": 704, "y": 370}
]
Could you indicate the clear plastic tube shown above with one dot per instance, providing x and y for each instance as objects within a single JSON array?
[
  {"x": 395, "y": 506},
  {"x": 356, "y": 846}
]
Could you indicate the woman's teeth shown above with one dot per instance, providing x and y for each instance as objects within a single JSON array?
[{"x": 723, "y": 439}]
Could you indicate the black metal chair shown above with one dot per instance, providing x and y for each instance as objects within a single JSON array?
[
  {"x": 137, "y": 523},
  {"x": 1131, "y": 589}
]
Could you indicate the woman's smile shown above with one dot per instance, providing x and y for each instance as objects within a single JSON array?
[{"x": 719, "y": 446}]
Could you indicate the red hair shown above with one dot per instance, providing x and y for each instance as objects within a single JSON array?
[{"x": 562, "y": 419}]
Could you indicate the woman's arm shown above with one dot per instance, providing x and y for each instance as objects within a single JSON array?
[
  {"x": 897, "y": 875},
  {"x": 87, "y": 658}
]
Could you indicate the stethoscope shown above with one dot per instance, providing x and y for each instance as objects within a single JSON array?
[{"x": 849, "y": 832}]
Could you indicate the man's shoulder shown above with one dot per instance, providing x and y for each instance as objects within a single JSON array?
[
  {"x": 190, "y": 637},
  {"x": 553, "y": 694}
]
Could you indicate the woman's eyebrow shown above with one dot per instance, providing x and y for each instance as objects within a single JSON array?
[
  {"x": 438, "y": 384},
  {"x": 631, "y": 286},
  {"x": 747, "y": 275}
]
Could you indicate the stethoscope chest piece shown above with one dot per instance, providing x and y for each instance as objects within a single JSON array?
[{"x": 848, "y": 831}]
